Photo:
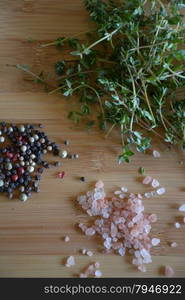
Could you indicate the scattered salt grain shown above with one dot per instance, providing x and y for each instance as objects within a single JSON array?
[
  {"x": 98, "y": 273},
  {"x": 124, "y": 189},
  {"x": 147, "y": 180},
  {"x": 173, "y": 244},
  {"x": 177, "y": 225},
  {"x": 70, "y": 261},
  {"x": 89, "y": 253},
  {"x": 117, "y": 192},
  {"x": 156, "y": 154},
  {"x": 66, "y": 238},
  {"x": 83, "y": 275},
  {"x": 84, "y": 251},
  {"x": 155, "y": 241},
  {"x": 161, "y": 191},
  {"x": 183, "y": 220},
  {"x": 182, "y": 208},
  {"x": 142, "y": 268},
  {"x": 155, "y": 183},
  {"x": 168, "y": 271}
]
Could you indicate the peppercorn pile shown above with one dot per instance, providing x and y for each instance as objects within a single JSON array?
[{"x": 21, "y": 159}]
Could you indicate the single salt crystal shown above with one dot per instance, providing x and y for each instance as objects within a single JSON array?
[
  {"x": 142, "y": 268},
  {"x": 156, "y": 154},
  {"x": 161, "y": 191},
  {"x": 182, "y": 208},
  {"x": 70, "y": 261},
  {"x": 66, "y": 238},
  {"x": 124, "y": 189},
  {"x": 90, "y": 231},
  {"x": 155, "y": 183},
  {"x": 117, "y": 192},
  {"x": 155, "y": 241},
  {"x": 98, "y": 273},
  {"x": 168, "y": 271},
  {"x": 121, "y": 251},
  {"x": 183, "y": 220},
  {"x": 97, "y": 264},
  {"x": 122, "y": 196},
  {"x": 147, "y": 180},
  {"x": 173, "y": 244},
  {"x": 84, "y": 251},
  {"x": 89, "y": 253},
  {"x": 83, "y": 275},
  {"x": 99, "y": 184},
  {"x": 177, "y": 225},
  {"x": 147, "y": 195}
]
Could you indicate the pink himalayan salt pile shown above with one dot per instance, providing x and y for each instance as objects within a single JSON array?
[{"x": 121, "y": 223}]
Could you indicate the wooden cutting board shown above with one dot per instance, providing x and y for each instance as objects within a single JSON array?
[{"x": 31, "y": 233}]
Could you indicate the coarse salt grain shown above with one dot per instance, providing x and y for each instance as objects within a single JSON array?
[
  {"x": 155, "y": 183},
  {"x": 147, "y": 180},
  {"x": 155, "y": 241},
  {"x": 161, "y": 191},
  {"x": 177, "y": 225},
  {"x": 168, "y": 271},
  {"x": 89, "y": 253},
  {"x": 173, "y": 244},
  {"x": 66, "y": 238},
  {"x": 142, "y": 268},
  {"x": 156, "y": 154},
  {"x": 124, "y": 189},
  {"x": 70, "y": 261},
  {"x": 122, "y": 224},
  {"x": 98, "y": 273},
  {"x": 84, "y": 251},
  {"x": 182, "y": 208}
]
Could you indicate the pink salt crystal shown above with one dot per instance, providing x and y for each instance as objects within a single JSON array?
[
  {"x": 117, "y": 192},
  {"x": 155, "y": 241},
  {"x": 177, "y": 225},
  {"x": 156, "y": 154},
  {"x": 147, "y": 180},
  {"x": 70, "y": 261},
  {"x": 98, "y": 273},
  {"x": 155, "y": 183},
  {"x": 182, "y": 208},
  {"x": 124, "y": 189},
  {"x": 90, "y": 231},
  {"x": 168, "y": 271},
  {"x": 122, "y": 196},
  {"x": 97, "y": 264},
  {"x": 99, "y": 184},
  {"x": 152, "y": 218},
  {"x": 84, "y": 251},
  {"x": 89, "y": 253},
  {"x": 121, "y": 251},
  {"x": 161, "y": 191},
  {"x": 66, "y": 238},
  {"x": 83, "y": 275},
  {"x": 142, "y": 268},
  {"x": 183, "y": 220},
  {"x": 173, "y": 244}
]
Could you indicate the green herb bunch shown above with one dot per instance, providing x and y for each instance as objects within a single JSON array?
[{"x": 129, "y": 70}]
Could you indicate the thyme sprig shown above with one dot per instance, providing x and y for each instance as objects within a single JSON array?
[{"x": 129, "y": 69}]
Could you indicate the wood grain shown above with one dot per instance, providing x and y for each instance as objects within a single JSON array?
[{"x": 31, "y": 233}]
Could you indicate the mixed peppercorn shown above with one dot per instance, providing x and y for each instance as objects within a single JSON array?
[{"x": 21, "y": 158}]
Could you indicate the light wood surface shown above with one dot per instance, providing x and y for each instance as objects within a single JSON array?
[{"x": 31, "y": 233}]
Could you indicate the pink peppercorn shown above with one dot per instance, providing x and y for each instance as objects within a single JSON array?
[
  {"x": 61, "y": 174},
  {"x": 20, "y": 171},
  {"x": 9, "y": 154},
  {"x": 15, "y": 177}
]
